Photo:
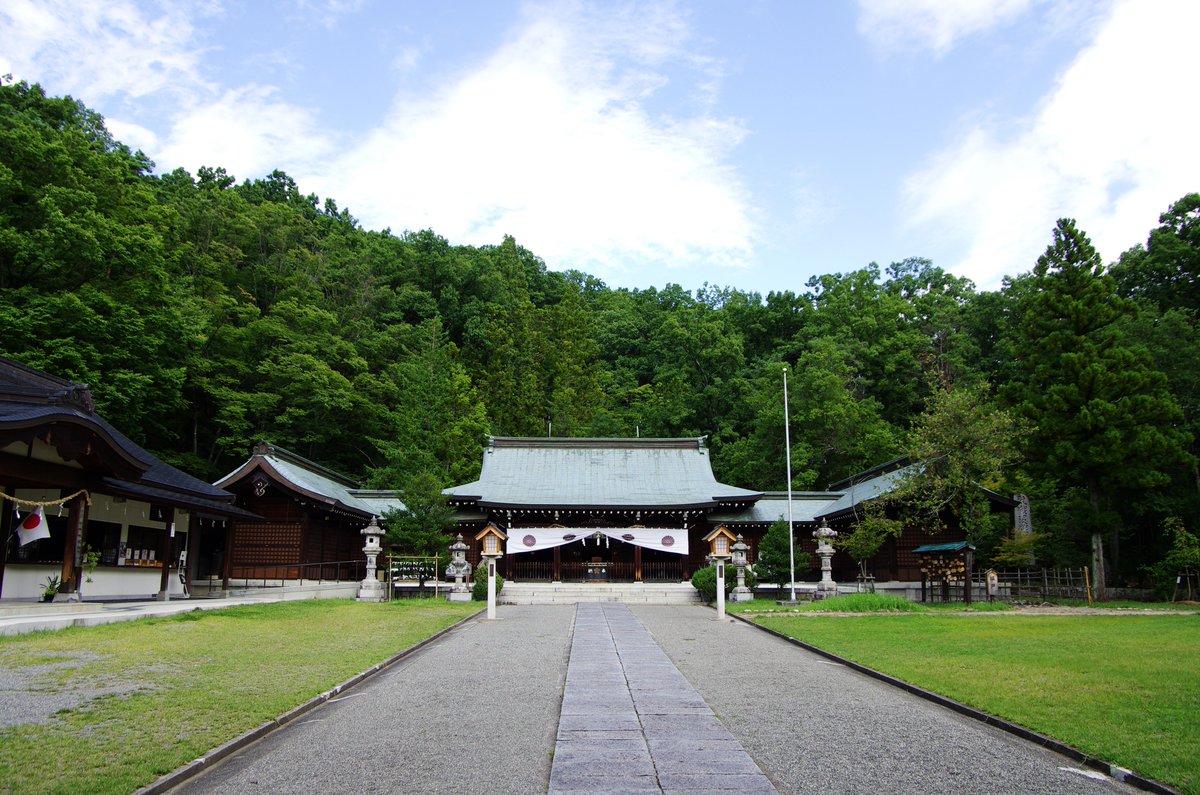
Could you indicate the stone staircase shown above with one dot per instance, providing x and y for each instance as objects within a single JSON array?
[{"x": 544, "y": 593}]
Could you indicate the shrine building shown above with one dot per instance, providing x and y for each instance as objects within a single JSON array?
[
  {"x": 637, "y": 510},
  {"x": 82, "y": 485}
]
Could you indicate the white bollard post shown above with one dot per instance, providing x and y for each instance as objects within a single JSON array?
[{"x": 720, "y": 590}]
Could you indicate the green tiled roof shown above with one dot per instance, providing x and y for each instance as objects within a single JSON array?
[
  {"x": 773, "y": 507},
  {"x": 315, "y": 481},
  {"x": 598, "y": 473}
]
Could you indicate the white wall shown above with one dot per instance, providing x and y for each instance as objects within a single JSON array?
[{"x": 26, "y": 581}]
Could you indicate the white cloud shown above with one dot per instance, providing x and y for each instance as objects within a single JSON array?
[
  {"x": 101, "y": 51},
  {"x": 327, "y": 13},
  {"x": 936, "y": 25},
  {"x": 551, "y": 140},
  {"x": 249, "y": 132},
  {"x": 97, "y": 50},
  {"x": 1112, "y": 146},
  {"x": 554, "y": 138}
]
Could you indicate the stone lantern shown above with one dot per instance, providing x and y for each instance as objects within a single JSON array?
[
  {"x": 739, "y": 549},
  {"x": 458, "y": 569},
  {"x": 826, "y": 587},
  {"x": 371, "y": 589}
]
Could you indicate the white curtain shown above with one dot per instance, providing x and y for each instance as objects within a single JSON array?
[{"x": 531, "y": 539}]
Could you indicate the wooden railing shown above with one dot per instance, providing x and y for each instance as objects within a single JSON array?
[{"x": 327, "y": 571}]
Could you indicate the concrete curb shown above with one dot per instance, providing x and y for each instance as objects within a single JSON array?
[
  {"x": 196, "y": 766},
  {"x": 1049, "y": 743}
]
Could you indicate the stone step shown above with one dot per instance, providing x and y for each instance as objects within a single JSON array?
[{"x": 573, "y": 593}]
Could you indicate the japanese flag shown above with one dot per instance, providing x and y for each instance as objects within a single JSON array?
[{"x": 33, "y": 527}]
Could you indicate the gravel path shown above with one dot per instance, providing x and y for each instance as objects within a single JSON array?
[
  {"x": 816, "y": 726},
  {"x": 479, "y": 711},
  {"x": 475, "y": 712}
]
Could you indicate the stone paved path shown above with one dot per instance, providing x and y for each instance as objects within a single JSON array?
[{"x": 631, "y": 722}]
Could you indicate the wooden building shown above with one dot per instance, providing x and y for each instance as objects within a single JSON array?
[
  {"x": 307, "y": 525},
  {"x": 576, "y": 509},
  {"x": 637, "y": 510},
  {"x": 99, "y": 491}
]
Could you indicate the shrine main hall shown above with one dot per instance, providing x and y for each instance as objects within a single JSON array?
[{"x": 637, "y": 510}]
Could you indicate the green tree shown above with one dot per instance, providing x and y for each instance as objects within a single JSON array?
[
  {"x": 871, "y": 531},
  {"x": 422, "y": 526},
  {"x": 1166, "y": 271},
  {"x": 438, "y": 421},
  {"x": 1103, "y": 416},
  {"x": 960, "y": 443},
  {"x": 1181, "y": 560},
  {"x": 775, "y": 557}
]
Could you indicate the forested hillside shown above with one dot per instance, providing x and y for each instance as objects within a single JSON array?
[{"x": 209, "y": 313}]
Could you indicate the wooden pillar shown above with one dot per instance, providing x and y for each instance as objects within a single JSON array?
[
  {"x": 6, "y": 530},
  {"x": 76, "y": 520},
  {"x": 637, "y": 564},
  {"x": 227, "y": 564},
  {"x": 193, "y": 549},
  {"x": 164, "y": 582},
  {"x": 969, "y": 563},
  {"x": 557, "y": 576}
]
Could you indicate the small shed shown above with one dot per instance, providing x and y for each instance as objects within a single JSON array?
[{"x": 945, "y": 564}]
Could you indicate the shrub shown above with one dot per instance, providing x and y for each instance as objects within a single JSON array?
[
  {"x": 866, "y": 603},
  {"x": 705, "y": 581},
  {"x": 479, "y": 587}
]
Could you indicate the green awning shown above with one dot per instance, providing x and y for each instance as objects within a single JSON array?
[{"x": 956, "y": 546}]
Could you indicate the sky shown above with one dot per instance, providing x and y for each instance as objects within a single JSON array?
[{"x": 749, "y": 144}]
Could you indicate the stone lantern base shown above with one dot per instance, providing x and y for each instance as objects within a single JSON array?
[
  {"x": 459, "y": 596},
  {"x": 371, "y": 591},
  {"x": 741, "y": 594},
  {"x": 825, "y": 591}
]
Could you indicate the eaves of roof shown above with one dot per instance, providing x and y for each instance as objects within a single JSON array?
[{"x": 174, "y": 498}]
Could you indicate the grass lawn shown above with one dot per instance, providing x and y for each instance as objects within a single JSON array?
[
  {"x": 157, "y": 693},
  {"x": 1124, "y": 688}
]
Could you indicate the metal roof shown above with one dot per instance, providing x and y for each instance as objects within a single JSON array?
[
  {"x": 314, "y": 481},
  {"x": 598, "y": 473},
  {"x": 854, "y": 493},
  {"x": 806, "y": 507},
  {"x": 955, "y": 546}
]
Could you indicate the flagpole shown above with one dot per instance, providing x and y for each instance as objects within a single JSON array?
[{"x": 787, "y": 436}]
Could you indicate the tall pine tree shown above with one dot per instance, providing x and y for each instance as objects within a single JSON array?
[{"x": 1103, "y": 415}]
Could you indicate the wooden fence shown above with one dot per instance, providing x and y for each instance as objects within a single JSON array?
[
  {"x": 1018, "y": 584},
  {"x": 1044, "y": 583}
]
